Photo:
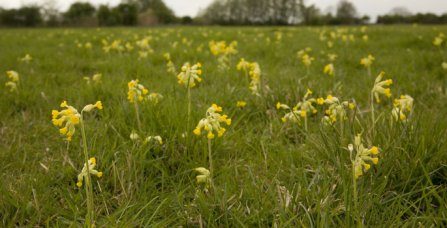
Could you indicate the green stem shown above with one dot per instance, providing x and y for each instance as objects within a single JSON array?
[
  {"x": 369, "y": 71},
  {"x": 305, "y": 122},
  {"x": 342, "y": 140},
  {"x": 359, "y": 223},
  {"x": 308, "y": 71},
  {"x": 189, "y": 106},
  {"x": 88, "y": 188},
  {"x": 246, "y": 77},
  {"x": 210, "y": 157},
  {"x": 138, "y": 115},
  {"x": 372, "y": 112}
]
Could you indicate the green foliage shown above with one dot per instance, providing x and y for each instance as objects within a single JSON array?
[
  {"x": 267, "y": 173},
  {"x": 79, "y": 10},
  {"x": 27, "y": 16},
  {"x": 164, "y": 14},
  {"x": 123, "y": 14}
]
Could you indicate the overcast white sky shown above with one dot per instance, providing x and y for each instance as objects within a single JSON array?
[{"x": 191, "y": 7}]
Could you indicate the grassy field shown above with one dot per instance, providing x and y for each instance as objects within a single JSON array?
[{"x": 266, "y": 172}]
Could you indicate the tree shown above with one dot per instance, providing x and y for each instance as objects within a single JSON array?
[
  {"x": 186, "y": 20},
  {"x": 50, "y": 13},
  {"x": 346, "y": 12},
  {"x": 79, "y": 11},
  {"x": 28, "y": 16},
  {"x": 400, "y": 11},
  {"x": 158, "y": 8},
  {"x": 128, "y": 13},
  {"x": 108, "y": 17}
]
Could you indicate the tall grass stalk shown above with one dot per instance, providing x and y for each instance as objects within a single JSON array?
[{"x": 88, "y": 188}]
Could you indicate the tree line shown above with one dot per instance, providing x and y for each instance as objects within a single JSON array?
[
  {"x": 128, "y": 13},
  {"x": 401, "y": 15},
  {"x": 278, "y": 12},
  {"x": 221, "y": 12}
]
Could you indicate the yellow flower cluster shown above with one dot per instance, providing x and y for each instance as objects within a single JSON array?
[
  {"x": 241, "y": 104},
  {"x": 15, "y": 78},
  {"x": 438, "y": 40},
  {"x": 306, "y": 105},
  {"x": 91, "y": 170},
  {"x": 336, "y": 108},
  {"x": 96, "y": 78},
  {"x": 136, "y": 91},
  {"x": 188, "y": 74},
  {"x": 243, "y": 65},
  {"x": 115, "y": 45},
  {"x": 26, "y": 59},
  {"x": 367, "y": 61},
  {"x": 307, "y": 60},
  {"x": 292, "y": 115},
  {"x": 332, "y": 57},
  {"x": 361, "y": 155},
  {"x": 378, "y": 87},
  {"x": 217, "y": 48},
  {"x": 170, "y": 65},
  {"x": 72, "y": 116},
  {"x": 402, "y": 105},
  {"x": 212, "y": 122},
  {"x": 255, "y": 72},
  {"x": 329, "y": 69},
  {"x": 204, "y": 176},
  {"x": 154, "y": 98}
]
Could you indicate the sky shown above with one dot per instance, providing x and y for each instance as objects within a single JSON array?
[{"x": 371, "y": 8}]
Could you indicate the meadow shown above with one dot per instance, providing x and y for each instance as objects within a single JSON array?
[{"x": 271, "y": 167}]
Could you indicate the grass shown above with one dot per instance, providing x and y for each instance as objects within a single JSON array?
[{"x": 266, "y": 173}]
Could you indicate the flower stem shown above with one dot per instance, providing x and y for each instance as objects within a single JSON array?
[
  {"x": 246, "y": 77},
  {"x": 189, "y": 106},
  {"x": 88, "y": 188},
  {"x": 369, "y": 71},
  {"x": 359, "y": 223},
  {"x": 138, "y": 115},
  {"x": 372, "y": 113},
  {"x": 210, "y": 157},
  {"x": 342, "y": 140},
  {"x": 305, "y": 122}
]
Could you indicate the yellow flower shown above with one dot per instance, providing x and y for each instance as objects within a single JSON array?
[
  {"x": 204, "y": 177},
  {"x": 307, "y": 60},
  {"x": 361, "y": 155},
  {"x": 13, "y": 75},
  {"x": 241, "y": 104},
  {"x": 12, "y": 85},
  {"x": 405, "y": 103},
  {"x": 437, "y": 41},
  {"x": 242, "y": 65},
  {"x": 89, "y": 107},
  {"x": 136, "y": 92},
  {"x": 332, "y": 57},
  {"x": 212, "y": 122},
  {"x": 329, "y": 69},
  {"x": 378, "y": 87},
  {"x": 26, "y": 59},
  {"x": 91, "y": 170},
  {"x": 70, "y": 115},
  {"x": 279, "y": 105},
  {"x": 351, "y": 106},
  {"x": 367, "y": 61},
  {"x": 444, "y": 65},
  {"x": 188, "y": 74},
  {"x": 320, "y": 101},
  {"x": 97, "y": 78}
]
